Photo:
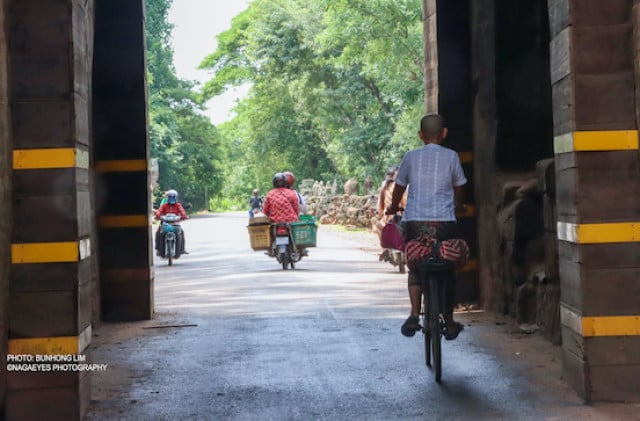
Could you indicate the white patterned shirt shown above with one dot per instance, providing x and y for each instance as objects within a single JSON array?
[{"x": 430, "y": 173}]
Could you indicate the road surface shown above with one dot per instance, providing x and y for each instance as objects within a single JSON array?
[{"x": 237, "y": 338}]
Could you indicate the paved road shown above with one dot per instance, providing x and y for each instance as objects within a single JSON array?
[{"x": 237, "y": 338}]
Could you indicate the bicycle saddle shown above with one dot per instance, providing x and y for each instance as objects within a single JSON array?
[{"x": 437, "y": 264}]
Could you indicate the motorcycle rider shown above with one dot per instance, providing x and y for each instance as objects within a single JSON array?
[
  {"x": 175, "y": 207},
  {"x": 291, "y": 180},
  {"x": 281, "y": 204},
  {"x": 255, "y": 203},
  {"x": 163, "y": 200}
]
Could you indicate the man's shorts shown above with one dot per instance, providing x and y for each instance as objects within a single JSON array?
[{"x": 440, "y": 230}]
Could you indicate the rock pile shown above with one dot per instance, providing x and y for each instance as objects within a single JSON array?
[{"x": 331, "y": 207}]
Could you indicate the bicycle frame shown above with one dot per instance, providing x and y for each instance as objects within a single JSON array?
[{"x": 433, "y": 307}]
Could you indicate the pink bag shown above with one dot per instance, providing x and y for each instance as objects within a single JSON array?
[{"x": 391, "y": 238}]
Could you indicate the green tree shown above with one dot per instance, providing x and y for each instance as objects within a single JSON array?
[
  {"x": 188, "y": 147},
  {"x": 335, "y": 85}
]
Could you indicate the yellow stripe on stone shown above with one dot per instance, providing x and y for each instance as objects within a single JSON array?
[
  {"x": 35, "y": 159},
  {"x": 466, "y": 157},
  {"x": 59, "y": 252},
  {"x": 123, "y": 221},
  {"x": 611, "y": 326},
  {"x": 59, "y": 345},
  {"x": 615, "y": 232},
  {"x": 584, "y": 141},
  {"x": 471, "y": 265},
  {"x": 470, "y": 212},
  {"x": 597, "y": 326},
  {"x": 125, "y": 165}
]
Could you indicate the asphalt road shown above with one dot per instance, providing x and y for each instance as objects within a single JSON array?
[{"x": 237, "y": 338}]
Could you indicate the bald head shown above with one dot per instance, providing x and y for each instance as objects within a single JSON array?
[{"x": 432, "y": 127}]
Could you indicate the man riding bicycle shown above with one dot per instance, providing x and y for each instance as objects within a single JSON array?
[{"x": 434, "y": 178}]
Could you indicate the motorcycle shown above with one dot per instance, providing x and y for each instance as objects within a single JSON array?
[
  {"x": 283, "y": 247},
  {"x": 171, "y": 230}
]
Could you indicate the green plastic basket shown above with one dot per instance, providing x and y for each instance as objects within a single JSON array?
[{"x": 304, "y": 231}]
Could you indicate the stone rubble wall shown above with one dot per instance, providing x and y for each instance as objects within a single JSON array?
[{"x": 348, "y": 208}]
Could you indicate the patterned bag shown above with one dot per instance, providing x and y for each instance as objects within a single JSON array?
[
  {"x": 418, "y": 249},
  {"x": 455, "y": 250}
]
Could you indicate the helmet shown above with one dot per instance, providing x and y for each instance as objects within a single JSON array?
[
  {"x": 279, "y": 180},
  {"x": 391, "y": 171},
  {"x": 172, "y": 196},
  {"x": 256, "y": 191},
  {"x": 291, "y": 179}
]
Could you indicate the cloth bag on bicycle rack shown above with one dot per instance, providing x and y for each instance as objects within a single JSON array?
[
  {"x": 419, "y": 249},
  {"x": 424, "y": 247},
  {"x": 391, "y": 237},
  {"x": 455, "y": 250}
]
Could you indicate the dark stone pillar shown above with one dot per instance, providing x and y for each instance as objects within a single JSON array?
[
  {"x": 121, "y": 151},
  {"x": 597, "y": 195},
  {"x": 49, "y": 47},
  {"x": 449, "y": 52},
  {"x": 484, "y": 144},
  {"x": 5, "y": 201}
]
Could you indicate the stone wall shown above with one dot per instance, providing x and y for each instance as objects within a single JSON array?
[
  {"x": 527, "y": 280},
  {"x": 330, "y": 206}
]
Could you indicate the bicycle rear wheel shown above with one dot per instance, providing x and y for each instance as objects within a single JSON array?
[
  {"x": 434, "y": 326},
  {"x": 425, "y": 332}
]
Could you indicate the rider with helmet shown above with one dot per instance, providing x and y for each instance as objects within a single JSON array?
[
  {"x": 171, "y": 206},
  {"x": 281, "y": 203},
  {"x": 291, "y": 179}
]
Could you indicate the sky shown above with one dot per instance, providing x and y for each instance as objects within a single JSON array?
[{"x": 196, "y": 24}]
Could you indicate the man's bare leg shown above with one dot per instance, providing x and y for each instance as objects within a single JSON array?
[{"x": 415, "y": 296}]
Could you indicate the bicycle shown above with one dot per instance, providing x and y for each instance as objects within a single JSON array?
[{"x": 431, "y": 272}]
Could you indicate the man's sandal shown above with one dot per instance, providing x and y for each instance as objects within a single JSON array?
[
  {"x": 410, "y": 326},
  {"x": 453, "y": 333}
]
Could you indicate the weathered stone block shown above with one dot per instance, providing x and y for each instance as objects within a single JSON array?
[
  {"x": 546, "y": 175},
  {"x": 549, "y": 215},
  {"x": 548, "y": 312}
]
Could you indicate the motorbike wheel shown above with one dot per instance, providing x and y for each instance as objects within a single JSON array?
[
  {"x": 284, "y": 258},
  {"x": 171, "y": 251}
]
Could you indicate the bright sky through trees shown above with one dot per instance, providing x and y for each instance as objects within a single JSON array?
[{"x": 196, "y": 24}]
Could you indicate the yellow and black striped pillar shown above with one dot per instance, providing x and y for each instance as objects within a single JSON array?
[
  {"x": 598, "y": 196},
  {"x": 6, "y": 153},
  {"x": 49, "y": 48},
  {"x": 121, "y": 151}
]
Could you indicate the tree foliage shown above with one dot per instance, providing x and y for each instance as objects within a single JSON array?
[
  {"x": 336, "y": 88},
  {"x": 188, "y": 147},
  {"x": 336, "y": 92}
]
